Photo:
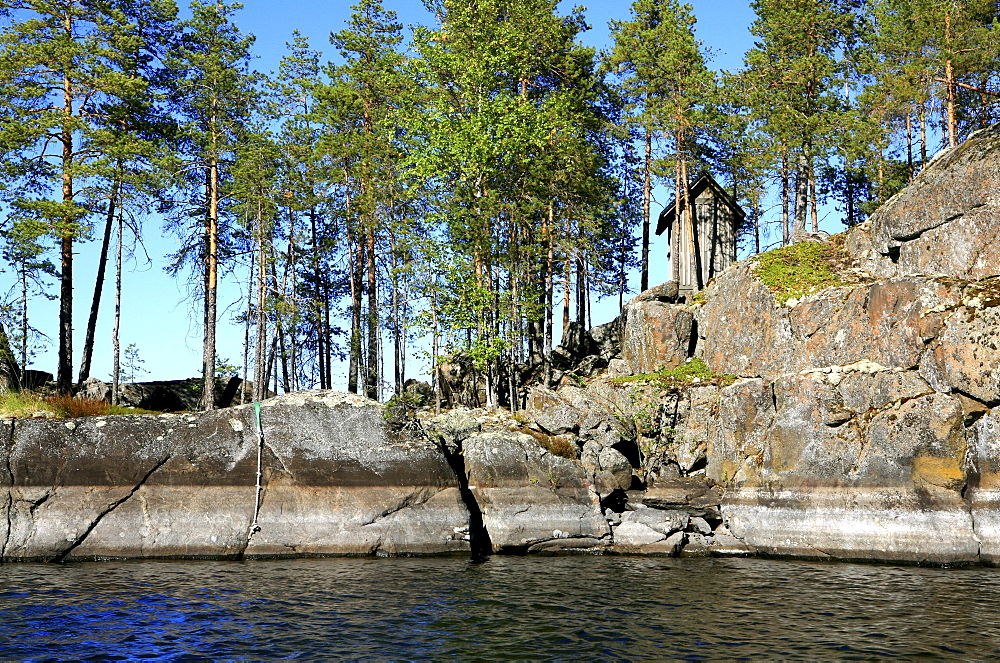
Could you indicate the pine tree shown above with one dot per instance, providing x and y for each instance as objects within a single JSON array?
[
  {"x": 794, "y": 77},
  {"x": 665, "y": 79},
  {"x": 61, "y": 71},
  {"x": 212, "y": 94},
  {"x": 369, "y": 90}
]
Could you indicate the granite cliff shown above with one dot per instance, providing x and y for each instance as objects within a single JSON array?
[{"x": 853, "y": 419}]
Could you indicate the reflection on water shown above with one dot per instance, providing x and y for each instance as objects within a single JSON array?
[{"x": 566, "y": 608}]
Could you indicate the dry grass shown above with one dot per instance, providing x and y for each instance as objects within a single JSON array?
[
  {"x": 557, "y": 446},
  {"x": 26, "y": 404}
]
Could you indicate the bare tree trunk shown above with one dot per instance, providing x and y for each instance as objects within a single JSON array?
[
  {"x": 322, "y": 352},
  {"x": 923, "y": 135},
  {"x": 398, "y": 353},
  {"x": 567, "y": 292},
  {"x": 248, "y": 321},
  {"x": 116, "y": 330},
  {"x": 25, "y": 327},
  {"x": 354, "y": 367},
  {"x": 549, "y": 266},
  {"x": 909, "y": 148},
  {"x": 801, "y": 196},
  {"x": 786, "y": 231},
  {"x": 102, "y": 264},
  {"x": 813, "y": 202},
  {"x": 64, "y": 374},
  {"x": 435, "y": 351},
  {"x": 951, "y": 123},
  {"x": 290, "y": 283},
  {"x": 260, "y": 347},
  {"x": 647, "y": 194}
]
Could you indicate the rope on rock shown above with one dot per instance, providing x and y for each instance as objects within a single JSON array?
[{"x": 254, "y": 527}]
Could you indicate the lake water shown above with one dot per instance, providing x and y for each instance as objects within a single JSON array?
[{"x": 505, "y": 608}]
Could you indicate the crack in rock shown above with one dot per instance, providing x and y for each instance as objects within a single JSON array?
[
  {"x": 111, "y": 507},
  {"x": 9, "y": 507},
  {"x": 409, "y": 501}
]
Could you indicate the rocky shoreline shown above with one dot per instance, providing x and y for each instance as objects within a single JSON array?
[{"x": 856, "y": 421}]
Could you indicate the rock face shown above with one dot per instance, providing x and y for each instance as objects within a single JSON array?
[
  {"x": 946, "y": 222},
  {"x": 865, "y": 423},
  {"x": 333, "y": 482},
  {"x": 532, "y": 500}
]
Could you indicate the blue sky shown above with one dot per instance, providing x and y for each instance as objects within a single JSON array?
[{"x": 157, "y": 315}]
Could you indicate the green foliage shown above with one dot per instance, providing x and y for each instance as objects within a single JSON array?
[
  {"x": 21, "y": 404},
  {"x": 225, "y": 369},
  {"x": 800, "y": 269},
  {"x": 131, "y": 364}
]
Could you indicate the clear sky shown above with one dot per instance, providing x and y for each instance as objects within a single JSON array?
[{"x": 164, "y": 323}]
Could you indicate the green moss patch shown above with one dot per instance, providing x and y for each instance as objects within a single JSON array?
[
  {"x": 796, "y": 270},
  {"x": 695, "y": 371}
]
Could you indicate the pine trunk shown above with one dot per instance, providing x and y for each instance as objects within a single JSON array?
[
  {"x": 354, "y": 368},
  {"x": 260, "y": 345},
  {"x": 647, "y": 195},
  {"x": 116, "y": 330},
  {"x": 211, "y": 284},
  {"x": 372, "y": 379},
  {"x": 322, "y": 354},
  {"x": 64, "y": 374},
  {"x": 951, "y": 122},
  {"x": 786, "y": 232}
]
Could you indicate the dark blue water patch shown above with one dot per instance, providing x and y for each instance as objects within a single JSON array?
[{"x": 589, "y": 608}]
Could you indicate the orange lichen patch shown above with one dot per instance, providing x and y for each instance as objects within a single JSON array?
[{"x": 939, "y": 471}]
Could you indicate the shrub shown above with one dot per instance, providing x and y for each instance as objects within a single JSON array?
[{"x": 25, "y": 404}]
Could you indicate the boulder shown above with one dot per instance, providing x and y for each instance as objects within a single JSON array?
[
  {"x": 612, "y": 461},
  {"x": 175, "y": 395},
  {"x": 665, "y": 292},
  {"x": 655, "y": 335}
]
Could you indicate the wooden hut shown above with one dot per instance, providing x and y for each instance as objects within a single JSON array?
[{"x": 717, "y": 220}]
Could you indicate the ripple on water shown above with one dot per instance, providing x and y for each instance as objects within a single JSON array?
[{"x": 574, "y": 607}]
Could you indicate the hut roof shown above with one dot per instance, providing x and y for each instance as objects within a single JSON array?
[{"x": 704, "y": 181}]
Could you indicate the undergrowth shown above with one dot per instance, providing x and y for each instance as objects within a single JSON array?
[
  {"x": 796, "y": 270},
  {"x": 21, "y": 404}
]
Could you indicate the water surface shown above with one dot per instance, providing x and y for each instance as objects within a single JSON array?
[{"x": 506, "y": 608}]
